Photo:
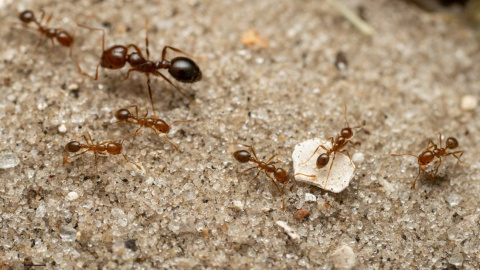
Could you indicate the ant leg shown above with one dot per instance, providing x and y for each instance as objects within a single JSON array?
[
  {"x": 164, "y": 51},
  {"x": 438, "y": 166},
  {"x": 76, "y": 155},
  {"x": 431, "y": 145},
  {"x": 354, "y": 144},
  {"x": 47, "y": 21},
  {"x": 128, "y": 74},
  {"x": 245, "y": 171},
  {"x": 151, "y": 95},
  {"x": 361, "y": 125},
  {"x": 307, "y": 175},
  {"x": 146, "y": 39},
  {"x": 440, "y": 138},
  {"x": 314, "y": 153},
  {"x": 156, "y": 73},
  {"x": 53, "y": 46},
  {"x": 135, "y": 47},
  {"x": 279, "y": 190},
  {"x": 330, "y": 169},
  {"x": 135, "y": 134},
  {"x": 40, "y": 41},
  {"x": 181, "y": 121},
  {"x": 95, "y": 29},
  {"x": 416, "y": 178},
  {"x": 267, "y": 162},
  {"x": 348, "y": 154},
  {"x": 165, "y": 138},
  {"x": 96, "y": 162},
  {"x": 256, "y": 176},
  {"x": 129, "y": 161},
  {"x": 457, "y": 157}
]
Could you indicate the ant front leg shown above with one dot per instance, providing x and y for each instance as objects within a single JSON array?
[
  {"x": 315, "y": 152},
  {"x": 156, "y": 73},
  {"x": 416, "y": 178},
  {"x": 457, "y": 157},
  {"x": 129, "y": 161},
  {"x": 348, "y": 154}
]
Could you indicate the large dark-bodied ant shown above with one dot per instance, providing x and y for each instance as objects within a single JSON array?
[
  {"x": 337, "y": 144},
  {"x": 62, "y": 36},
  {"x": 103, "y": 148},
  {"x": 156, "y": 124},
  {"x": 432, "y": 152},
  {"x": 183, "y": 69},
  {"x": 280, "y": 175}
]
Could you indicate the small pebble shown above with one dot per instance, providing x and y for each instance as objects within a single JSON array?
[
  {"x": 309, "y": 197},
  {"x": 8, "y": 160},
  {"x": 358, "y": 158},
  {"x": 237, "y": 205},
  {"x": 301, "y": 214},
  {"x": 72, "y": 196},
  {"x": 344, "y": 258},
  {"x": 73, "y": 86},
  {"x": 68, "y": 233},
  {"x": 469, "y": 103},
  {"x": 62, "y": 128},
  {"x": 288, "y": 230}
]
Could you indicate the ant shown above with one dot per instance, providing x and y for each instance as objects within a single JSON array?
[
  {"x": 340, "y": 141},
  {"x": 280, "y": 175},
  {"x": 62, "y": 36},
  {"x": 156, "y": 124},
  {"x": 432, "y": 152},
  {"x": 183, "y": 69},
  {"x": 105, "y": 147}
]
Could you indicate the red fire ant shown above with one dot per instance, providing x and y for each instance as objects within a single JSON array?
[
  {"x": 105, "y": 147},
  {"x": 62, "y": 36},
  {"x": 280, "y": 175},
  {"x": 432, "y": 152},
  {"x": 341, "y": 140},
  {"x": 183, "y": 69},
  {"x": 156, "y": 124}
]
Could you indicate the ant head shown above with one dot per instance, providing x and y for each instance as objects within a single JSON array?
[
  {"x": 184, "y": 70},
  {"x": 114, "y": 148},
  {"x": 27, "y": 16},
  {"x": 322, "y": 160},
  {"x": 73, "y": 146},
  {"x": 281, "y": 175},
  {"x": 426, "y": 157},
  {"x": 242, "y": 156},
  {"x": 346, "y": 133},
  {"x": 114, "y": 57},
  {"x": 123, "y": 114},
  {"x": 452, "y": 143},
  {"x": 162, "y": 126}
]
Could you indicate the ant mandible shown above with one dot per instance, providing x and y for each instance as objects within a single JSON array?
[
  {"x": 156, "y": 124},
  {"x": 341, "y": 140},
  {"x": 105, "y": 147},
  {"x": 432, "y": 152},
  {"x": 183, "y": 69},
  {"x": 62, "y": 36},
  {"x": 280, "y": 175}
]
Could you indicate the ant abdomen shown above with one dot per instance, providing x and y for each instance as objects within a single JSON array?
[
  {"x": 114, "y": 58},
  {"x": 322, "y": 160},
  {"x": 184, "y": 70},
  {"x": 242, "y": 156}
]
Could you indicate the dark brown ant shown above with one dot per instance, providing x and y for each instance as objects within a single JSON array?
[
  {"x": 432, "y": 152},
  {"x": 183, "y": 69},
  {"x": 62, "y": 36},
  {"x": 105, "y": 147},
  {"x": 156, "y": 124},
  {"x": 280, "y": 175},
  {"x": 340, "y": 141}
]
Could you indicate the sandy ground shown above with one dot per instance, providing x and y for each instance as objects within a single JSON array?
[{"x": 188, "y": 209}]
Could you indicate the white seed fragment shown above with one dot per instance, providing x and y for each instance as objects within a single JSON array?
[
  {"x": 358, "y": 158},
  {"x": 62, "y": 128},
  {"x": 288, "y": 230},
  {"x": 8, "y": 160},
  {"x": 237, "y": 205},
  {"x": 309, "y": 197},
  {"x": 340, "y": 175},
  {"x": 72, "y": 196},
  {"x": 344, "y": 258},
  {"x": 469, "y": 103}
]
